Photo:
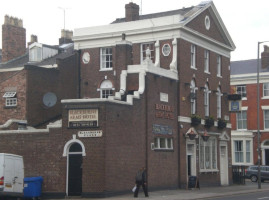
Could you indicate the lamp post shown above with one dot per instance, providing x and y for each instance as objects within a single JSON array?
[{"x": 258, "y": 115}]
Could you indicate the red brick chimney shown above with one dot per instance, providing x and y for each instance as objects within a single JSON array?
[
  {"x": 131, "y": 12},
  {"x": 13, "y": 39},
  {"x": 265, "y": 57}
]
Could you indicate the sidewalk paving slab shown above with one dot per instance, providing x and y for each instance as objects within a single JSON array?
[{"x": 182, "y": 194}]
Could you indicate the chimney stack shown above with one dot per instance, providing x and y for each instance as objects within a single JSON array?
[
  {"x": 66, "y": 37},
  {"x": 13, "y": 39},
  {"x": 131, "y": 12},
  {"x": 265, "y": 57},
  {"x": 33, "y": 40}
]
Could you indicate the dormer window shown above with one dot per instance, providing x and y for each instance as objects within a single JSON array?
[
  {"x": 39, "y": 52},
  {"x": 35, "y": 54}
]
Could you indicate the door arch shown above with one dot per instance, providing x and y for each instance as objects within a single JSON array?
[{"x": 74, "y": 150}]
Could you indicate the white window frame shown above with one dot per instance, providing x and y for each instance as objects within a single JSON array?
[
  {"x": 266, "y": 90},
  {"x": 106, "y": 59},
  {"x": 206, "y": 61},
  {"x": 206, "y": 100},
  {"x": 219, "y": 95},
  {"x": 246, "y": 151},
  {"x": 208, "y": 155},
  {"x": 106, "y": 89},
  {"x": 243, "y": 119},
  {"x": 163, "y": 143},
  {"x": 219, "y": 65},
  {"x": 193, "y": 101},
  {"x": 193, "y": 56},
  {"x": 11, "y": 102},
  {"x": 242, "y": 89},
  {"x": 143, "y": 49},
  {"x": 266, "y": 118}
]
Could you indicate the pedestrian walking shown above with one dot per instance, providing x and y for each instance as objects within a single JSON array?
[{"x": 141, "y": 180}]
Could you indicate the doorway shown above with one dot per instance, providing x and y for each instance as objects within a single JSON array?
[
  {"x": 75, "y": 170},
  {"x": 191, "y": 158},
  {"x": 224, "y": 180}
]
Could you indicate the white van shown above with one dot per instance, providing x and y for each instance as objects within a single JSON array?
[{"x": 11, "y": 175}]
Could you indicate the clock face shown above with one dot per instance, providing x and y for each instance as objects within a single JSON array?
[
  {"x": 86, "y": 57},
  {"x": 49, "y": 99}
]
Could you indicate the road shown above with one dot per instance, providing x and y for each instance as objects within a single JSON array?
[{"x": 251, "y": 196}]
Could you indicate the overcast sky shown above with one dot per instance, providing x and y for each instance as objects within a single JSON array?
[{"x": 246, "y": 20}]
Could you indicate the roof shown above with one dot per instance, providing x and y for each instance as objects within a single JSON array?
[
  {"x": 245, "y": 67},
  {"x": 182, "y": 11},
  {"x": 64, "y": 52}
]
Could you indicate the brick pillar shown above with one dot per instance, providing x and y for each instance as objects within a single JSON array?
[
  {"x": 265, "y": 57},
  {"x": 13, "y": 39},
  {"x": 131, "y": 12}
]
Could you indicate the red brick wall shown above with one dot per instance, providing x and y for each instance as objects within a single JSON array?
[{"x": 17, "y": 80}]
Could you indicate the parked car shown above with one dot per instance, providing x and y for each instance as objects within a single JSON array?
[{"x": 252, "y": 173}]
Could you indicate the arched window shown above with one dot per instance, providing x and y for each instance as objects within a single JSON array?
[
  {"x": 193, "y": 97},
  {"x": 219, "y": 102},
  {"x": 206, "y": 99},
  {"x": 106, "y": 89}
]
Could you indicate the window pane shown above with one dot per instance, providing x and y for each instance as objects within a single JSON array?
[
  {"x": 248, "y": 151},
  {"x": 162, "y": 143}
]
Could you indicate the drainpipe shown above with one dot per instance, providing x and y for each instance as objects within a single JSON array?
[
  {"x": 79, "y": 75},
  {"x": 146, "y": 124},
  {"x": 178, "y": 132}
]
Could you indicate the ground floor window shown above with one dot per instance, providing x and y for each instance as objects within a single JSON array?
[
  {"x": 242, "y": 151},
  {"x": 208, "y": 154},
  {"x": 163, "y": 143}
]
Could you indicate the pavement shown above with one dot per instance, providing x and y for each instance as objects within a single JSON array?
[{"x": 183, "y": 194}]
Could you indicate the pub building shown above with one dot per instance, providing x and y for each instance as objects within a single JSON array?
[{"x": 143, "y": 80}]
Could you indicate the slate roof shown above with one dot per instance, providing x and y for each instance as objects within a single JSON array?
[
  {"x": 245, "y": 67},
  {"x": 64, "y": 52},
  {"x": 182, "y": 11}
]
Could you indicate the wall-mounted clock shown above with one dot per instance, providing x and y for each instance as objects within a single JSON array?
[
  {"x": 49, "y": 99},
  {"x": 86, "y": 57}
]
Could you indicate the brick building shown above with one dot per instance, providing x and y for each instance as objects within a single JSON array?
[
  {"x": 244, "y": 123},
  {"x": 142, "y": 80},
  {"x": 32, "y": 78}
]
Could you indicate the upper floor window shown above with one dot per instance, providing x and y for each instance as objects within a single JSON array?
[
  {"x": 193, "y": 97},
  {"x": 106, "y": 58},
  {"x": 206, "y": 61},
  {"x": 241, "y": 120},
  {"x": 266, "y": 89},
  {"x": 266, "y": 119},
  {"x": 241, "y": 89},
  {"x": 11, "y": 99},
  {"x": 193, "y": 56},
  {"x": 206, "y": 100},
  {"x": 144, "y": 47},
  {"x": 208, "y": 154},
  {"x": 106, "y": 89},
  {"x": 218, "y": 65},
  {"x": 219, "y": 102}
]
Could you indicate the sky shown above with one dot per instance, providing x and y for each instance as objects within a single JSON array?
[{"x": 247, "y": 21}]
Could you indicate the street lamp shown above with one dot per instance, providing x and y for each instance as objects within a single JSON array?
[{"x": 258, "y": 116}]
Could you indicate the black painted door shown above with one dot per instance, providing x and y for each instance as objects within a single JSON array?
[
  {"x": 266, "y": 156},
  {"x": 75, "y": 175}
]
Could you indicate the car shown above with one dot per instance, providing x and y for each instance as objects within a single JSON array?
[{"x": 252, "y": 173}]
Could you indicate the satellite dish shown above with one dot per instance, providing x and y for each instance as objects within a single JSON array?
[{"x": 49, "y": 99}]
